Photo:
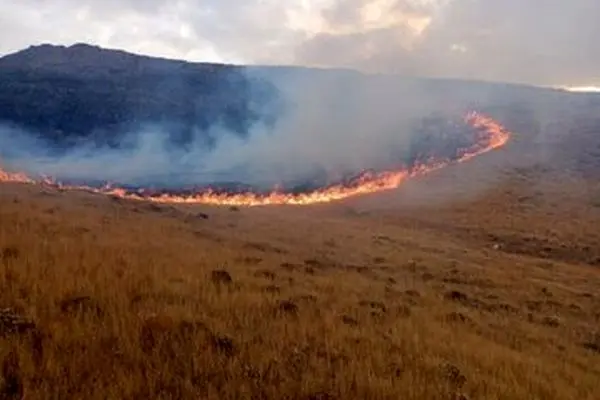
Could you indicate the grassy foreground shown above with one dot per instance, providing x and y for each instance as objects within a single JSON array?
[{"x": 494, "y": 297}]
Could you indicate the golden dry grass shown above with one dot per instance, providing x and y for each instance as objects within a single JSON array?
[{"x": 495, "y": 296}]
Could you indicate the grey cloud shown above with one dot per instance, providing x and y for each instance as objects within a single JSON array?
[
  {"x": 541, "y": 42},
  {"x": 533, "y": 41}
]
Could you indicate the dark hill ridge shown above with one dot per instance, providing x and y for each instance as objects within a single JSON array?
[
  {"x": 90, "y": 61},
  {"x": 84, "y": 90},
  {"x": 65, "y": 94}
]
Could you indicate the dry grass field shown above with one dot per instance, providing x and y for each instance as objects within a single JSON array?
[{"x": 421, "y": 293}]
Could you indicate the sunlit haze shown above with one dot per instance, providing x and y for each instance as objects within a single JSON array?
[{"x": 584, "y": 89}]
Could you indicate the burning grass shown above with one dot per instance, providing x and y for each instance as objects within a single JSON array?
[
  {"x": 487, "y": 135},
  {"x": 117, "y": 299}
]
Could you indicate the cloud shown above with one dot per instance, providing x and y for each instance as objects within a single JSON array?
[
  {"x": 509, "y": 40},
  {"x": 546, "y": 42}
]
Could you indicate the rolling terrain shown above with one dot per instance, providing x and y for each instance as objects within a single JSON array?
[
  {"x": 493, "y": 295},
  {"x": 480, "y": 280}
]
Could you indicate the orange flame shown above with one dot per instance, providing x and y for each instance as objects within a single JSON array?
[
  {"x": 491, "y": 135},
  {"x": 18, "y": 177}
]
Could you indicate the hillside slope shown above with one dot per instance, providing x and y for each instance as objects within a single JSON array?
[
  {"x": 477, "y": 281},
  {"x": 64, "y": 93},
  {"x": 493, "y": 295},
  {"x": 57, "y": 101}
]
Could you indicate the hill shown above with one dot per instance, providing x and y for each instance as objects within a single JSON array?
[
  {"x": 478, "y": 281},
  {"x": 81, "y": 90},
  {"x": 425, "y": 295},
  {"x": 62, "y": 93},
  {"x": 59, "y": 98}
]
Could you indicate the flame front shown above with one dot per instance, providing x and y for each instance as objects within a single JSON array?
[{"x": 490, "y": 135}]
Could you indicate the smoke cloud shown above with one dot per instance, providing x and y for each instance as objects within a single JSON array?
[{"x": 333, "y": 124}]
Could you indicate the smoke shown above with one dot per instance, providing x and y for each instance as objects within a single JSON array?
[
  {"x": 332, "y": 124},
  {"x": 325, "y": 126}
]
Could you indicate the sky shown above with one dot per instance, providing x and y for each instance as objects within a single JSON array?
[{"x": 540, "y": 42}]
